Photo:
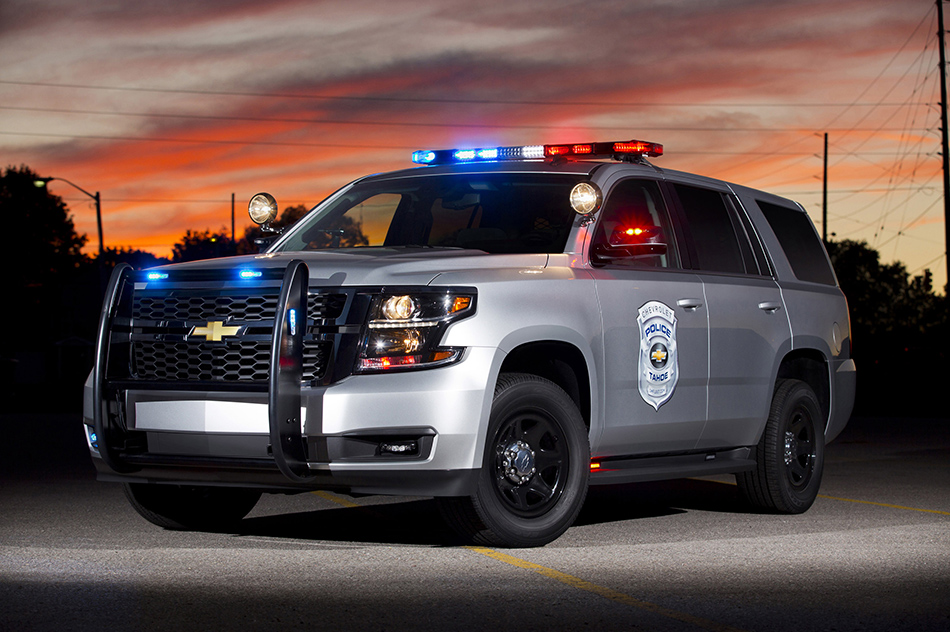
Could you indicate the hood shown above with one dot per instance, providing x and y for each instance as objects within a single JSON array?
[{"x": 374, "y": 266}]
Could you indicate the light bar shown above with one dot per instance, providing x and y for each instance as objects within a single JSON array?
[
  {"x": 156, "y": 276},
  {"x": 615, "y": 150}
]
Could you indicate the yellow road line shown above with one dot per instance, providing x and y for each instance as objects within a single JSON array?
[
  {"x": 603, "y": 591},
  {"x": 868, "y": 502},
  {"x": 333, "y": 498}
]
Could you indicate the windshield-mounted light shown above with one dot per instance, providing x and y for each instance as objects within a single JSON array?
[
  {"x": 586, "y": 198},
  {"x": 262, "y": 208}
]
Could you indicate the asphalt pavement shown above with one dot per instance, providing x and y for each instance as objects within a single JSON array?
[{"x": 872, "y": 554}]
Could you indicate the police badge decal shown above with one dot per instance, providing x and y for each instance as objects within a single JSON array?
[{"x": 659, "y": 369}]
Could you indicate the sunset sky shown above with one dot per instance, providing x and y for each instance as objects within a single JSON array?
[{"x": 168, "y": 108}]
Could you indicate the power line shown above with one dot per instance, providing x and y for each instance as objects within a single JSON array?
[
  {"x": 209, "y": 141},
  {"x": 206, "y": 141},
  {"x": 934, "y": 260},
  {"x": 270, "y": 119},
  {"x": 396, "y": 99}
]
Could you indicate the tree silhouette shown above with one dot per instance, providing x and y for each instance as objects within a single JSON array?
[
  {"x": 899, "y": 328},
  {"x": 886, "y": 302},
  {"x": 195, "y": 245},
  {"x": 46, "y": 290},
  {"x": 46, "y": 245},
  {"x": 138, "y": 259}
]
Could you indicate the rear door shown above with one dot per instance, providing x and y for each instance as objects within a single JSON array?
[{"x": 748, "y": 323}]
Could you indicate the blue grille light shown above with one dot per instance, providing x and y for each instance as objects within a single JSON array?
[
  {"x": 156, "y": 276},
  {"x": 292, "y": 316},
  {"x": 250, "y": 274}
]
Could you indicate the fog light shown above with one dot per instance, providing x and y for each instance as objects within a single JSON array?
[
  {"x": 92, "y": 438},
  {"x": 400, "y": 448}
]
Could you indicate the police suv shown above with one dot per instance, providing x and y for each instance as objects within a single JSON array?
[{"x": 499, "y": 328}]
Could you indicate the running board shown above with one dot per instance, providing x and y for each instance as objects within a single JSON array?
[{"x": 613, "y": 470}]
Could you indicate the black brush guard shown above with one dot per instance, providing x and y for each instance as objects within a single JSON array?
[{"x": 285, "y": 374}]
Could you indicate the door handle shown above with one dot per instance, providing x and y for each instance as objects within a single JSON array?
[
  {"x": 770, "y": 307},
  {"x": 689, "y": 304}
]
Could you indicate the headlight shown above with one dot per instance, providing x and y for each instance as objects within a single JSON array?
[{"x": 404, "y": 330}]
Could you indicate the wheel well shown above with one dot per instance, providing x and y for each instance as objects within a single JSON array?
[
  {"x": 558, "y": 362},
  {"x": 810, "y": 367}
]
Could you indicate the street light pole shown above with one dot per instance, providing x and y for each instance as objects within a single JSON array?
[{"x": 42, "y": 182}]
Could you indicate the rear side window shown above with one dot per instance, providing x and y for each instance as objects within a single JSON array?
[
  {"x": 714, "y": 235},
  {"x": 800, "y": 242}
]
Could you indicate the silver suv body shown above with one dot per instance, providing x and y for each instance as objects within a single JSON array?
[{"x": 497, "y": 333}]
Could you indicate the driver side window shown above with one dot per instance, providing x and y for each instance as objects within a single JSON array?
[{"x": 634, "y": 228}]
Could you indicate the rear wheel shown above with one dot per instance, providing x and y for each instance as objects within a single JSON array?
[
  {"x": 790, "y": 455},
  {"x": 198, "y": 508},
  {"x": 534, "y": 474}
]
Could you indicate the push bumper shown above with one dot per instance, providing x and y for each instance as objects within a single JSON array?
[{"x": 415, "y": 433}]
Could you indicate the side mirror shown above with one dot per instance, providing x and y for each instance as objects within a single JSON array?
[
  {"x": 604, "y": 253},
  {"x": 628, "y": 243}
]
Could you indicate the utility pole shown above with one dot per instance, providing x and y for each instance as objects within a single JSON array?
[
  {"x": 232, "y": 218},
  {"x": 945, "y": 144},
  {"x": 824, "y": 197}
]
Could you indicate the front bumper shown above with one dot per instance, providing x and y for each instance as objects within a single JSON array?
[
  {"x": 223, "y": 438},
  {"x": 415, "y": 433}
]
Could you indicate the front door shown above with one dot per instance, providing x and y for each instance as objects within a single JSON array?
[{"x": 655, "y": 328}]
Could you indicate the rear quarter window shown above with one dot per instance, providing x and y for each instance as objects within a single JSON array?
[{"x": 803, "y": 248}]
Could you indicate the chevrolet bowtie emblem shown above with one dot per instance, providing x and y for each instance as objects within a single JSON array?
[{"x": 214, "y": 331}]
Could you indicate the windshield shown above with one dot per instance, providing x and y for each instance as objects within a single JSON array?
[{"x": 497, "y": 213}]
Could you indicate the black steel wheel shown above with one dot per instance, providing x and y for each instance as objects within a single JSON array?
[
  {"x": 790, "y": 455},
  {"x": 534, "y": 475},
  {"x": 191, "y": 508}
]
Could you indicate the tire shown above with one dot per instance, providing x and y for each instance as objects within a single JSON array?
[
  {"x": 533, "y": 479},
  {"x": 790, "y": 456},
  {"x": 186, "y": 508}
]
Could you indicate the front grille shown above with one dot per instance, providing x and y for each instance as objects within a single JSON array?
[
  {"x": 164, "y": 351},
  {"x": 230, "y": 361},
  {"x": 230, "y": 307}
]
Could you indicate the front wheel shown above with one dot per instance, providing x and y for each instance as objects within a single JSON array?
[
  {"x": 533, "y": 479},
  {"x": 790, "y": 455},
  {"x": 184, "y": 507}
]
